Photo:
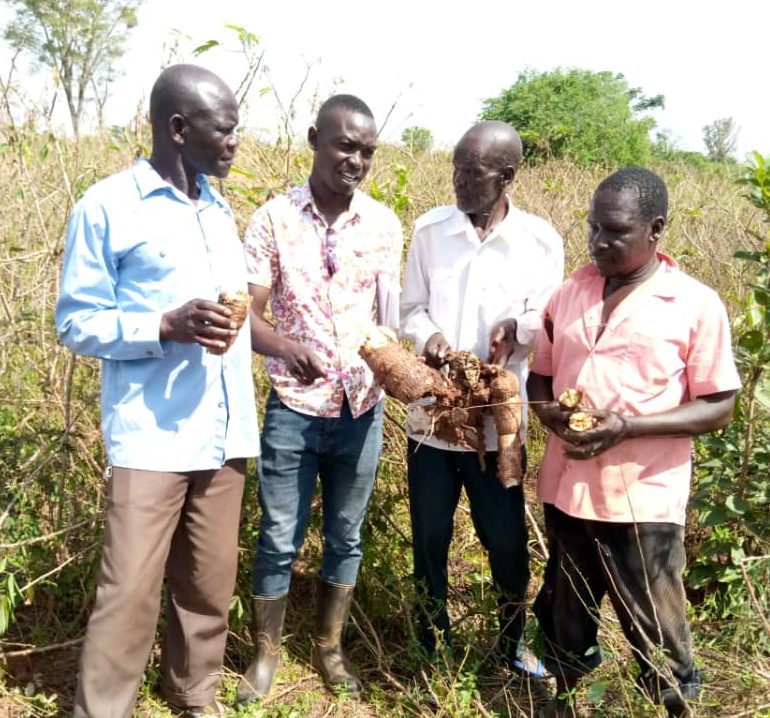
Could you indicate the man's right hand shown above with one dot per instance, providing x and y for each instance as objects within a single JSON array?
[
  {"x": 302, "y": 363},
  {"x": 435, "y": 350},
  {"x": 555, "y": 418},
  {"x": 199, "y": 321}
]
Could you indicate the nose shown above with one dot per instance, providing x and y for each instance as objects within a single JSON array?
[
  {"x": 233, "y": 141},
  {"x": 356, "y": 160}
]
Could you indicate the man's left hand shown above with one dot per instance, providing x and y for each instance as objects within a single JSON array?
[
  {"x": 502, "y": 341},
  {"x": 611, "y": 429}
]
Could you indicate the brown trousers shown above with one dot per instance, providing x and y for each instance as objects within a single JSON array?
[{"x": 183, "y": 526}]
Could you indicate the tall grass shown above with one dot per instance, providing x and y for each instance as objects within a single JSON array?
[{"x": 51, "y": 457}]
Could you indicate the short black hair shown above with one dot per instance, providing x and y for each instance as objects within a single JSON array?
[
  {"x": 649, "y": 188},
  {"x": 347, "y": 102}
]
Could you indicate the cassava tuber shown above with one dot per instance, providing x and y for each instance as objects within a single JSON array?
[
  {"x": 239, "y": 302},
  {"x": 470, "y": 388},
  {"x": 571, "y": 400}
]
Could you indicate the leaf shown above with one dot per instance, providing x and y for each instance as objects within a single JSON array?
[
  {"x": 714, "y": 516},
  {"x": 596, "y": 691},
  {"x": 737, "y": 505},
  {"x": 205, "y": 47},
  {"x": 746, "y": 254},
  {"x": 762, "y": 395},
  {"x": 751, "y": 341}
]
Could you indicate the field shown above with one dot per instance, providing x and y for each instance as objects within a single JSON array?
[{"x": 51, "y": 463}]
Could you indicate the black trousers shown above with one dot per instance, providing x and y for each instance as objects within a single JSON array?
[
  {"x": 436, "y": 479},
  {"x": 639, "y": 566}
]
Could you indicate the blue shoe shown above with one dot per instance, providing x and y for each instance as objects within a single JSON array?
[{"x": 527, "y": 663}]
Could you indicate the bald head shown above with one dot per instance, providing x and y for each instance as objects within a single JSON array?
[
  {"x": 194, "y": 117},
  {"x": 497, "y": 143},
  {"x": 187, "y": 90}
]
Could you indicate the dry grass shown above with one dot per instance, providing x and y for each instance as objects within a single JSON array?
[{"x": 51, "y": 458}]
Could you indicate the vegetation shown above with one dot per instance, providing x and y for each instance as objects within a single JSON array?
[
  {"x": 417, "y": 139},
  {"x": 51, "y": 460},
  {"x": 720, "y": 138},
  {"x": 80, "y": 40},
  {"x": 588, "y": 117}
]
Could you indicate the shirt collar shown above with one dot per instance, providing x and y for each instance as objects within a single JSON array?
[
  {"x": 659, "y": 284},
  {"x": 148, "y": 181},
  {"x": 459, "y": 221},
  {"x": 304, "y": 199}
]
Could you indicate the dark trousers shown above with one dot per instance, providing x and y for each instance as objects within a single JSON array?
[
  {"x": 639, "y": 566},
  {"x": 436, "y": 477}
]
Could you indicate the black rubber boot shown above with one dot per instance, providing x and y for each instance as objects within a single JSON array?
[
  {"x": 333, "y": 609},
  {"x": 267, "y": 615}
]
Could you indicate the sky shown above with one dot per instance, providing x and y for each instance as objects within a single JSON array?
[{"x": 431, "y": 64}]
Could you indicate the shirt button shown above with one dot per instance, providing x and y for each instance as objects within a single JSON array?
[
  {"x": 149, "y": 353},
  {"x": 221, "y": 404},
  {"x": 162, "y": 254}
]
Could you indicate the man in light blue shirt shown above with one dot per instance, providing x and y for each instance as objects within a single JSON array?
[{"x": 148, "y": 252}]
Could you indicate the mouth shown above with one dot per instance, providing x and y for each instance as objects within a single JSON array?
[{"x": 350, "y": 179}]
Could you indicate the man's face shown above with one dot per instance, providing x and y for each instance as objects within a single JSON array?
[
  {"x": 477, "y": 177},
  {"x": 620, "y": 241},
  {"x": 210, "y": 134},
  {"x": 344, "y": 146}
]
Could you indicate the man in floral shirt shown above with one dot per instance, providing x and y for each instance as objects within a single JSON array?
[{"x": 326, "y": 257}]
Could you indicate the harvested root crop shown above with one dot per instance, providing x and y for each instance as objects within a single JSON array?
[
  {"x": 506, "y": 412},
  {"x": 399, "y": 372},
  {"x": 571, "y": 400},
  {"x": 470, "y": 388},
  {"x": 239, "y": 302},
  {"x": 582, "y": 421}
]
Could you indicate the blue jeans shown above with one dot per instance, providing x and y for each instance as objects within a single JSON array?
[
  {"x": 296, "y": 450},
  {"x": 436, "y": 477}
]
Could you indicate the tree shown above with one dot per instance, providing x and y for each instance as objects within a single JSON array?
[
  {"x": 80, "y": 40},
  {"x": 417, "y": 139},
  {"x": 590, "y": 117},
  {"x": 720, "y": 138}
]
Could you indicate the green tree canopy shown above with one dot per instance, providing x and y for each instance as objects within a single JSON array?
[
  {"x": 418, "y": 139},
  {"x": 78, "y": 39},
  {"x": 590, "y": 117}
]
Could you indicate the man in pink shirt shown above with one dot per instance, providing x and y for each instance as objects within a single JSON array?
[
  {"x": 326, "y": 257},
  {"x": 649, "y": 348}
]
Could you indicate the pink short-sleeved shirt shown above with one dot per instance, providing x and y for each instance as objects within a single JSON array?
[
  {"x": 665, "y": 344},
  {"x": 330, "y": 310}
]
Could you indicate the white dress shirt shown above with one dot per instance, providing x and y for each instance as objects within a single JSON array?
[{"x": 460, "y": 286}]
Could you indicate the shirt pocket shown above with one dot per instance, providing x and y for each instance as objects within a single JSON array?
[
  {"x": 651, "y": 365},
  {"x": 443, "y": 291}
]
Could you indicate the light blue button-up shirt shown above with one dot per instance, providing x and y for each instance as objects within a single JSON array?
[{"x": 136, "y": 248}]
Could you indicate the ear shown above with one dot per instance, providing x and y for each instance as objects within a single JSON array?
[
  {"x": 177, "y": 127},
  {"x": 657, "y": 226},
  {"x": 312, "y": 138},
  {"x": 506, "y": 175}
]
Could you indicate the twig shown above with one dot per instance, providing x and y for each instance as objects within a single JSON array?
[
  {"x": 540, "y": 540},
  {"x": 41, "y": 649},
  {"x": 47, "y": 537},
  {"x": 753, "y": 596},
  {"x": 58, "y": 568}
]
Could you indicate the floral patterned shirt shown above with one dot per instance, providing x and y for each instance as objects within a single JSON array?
[{"x": 324, "y": 285}]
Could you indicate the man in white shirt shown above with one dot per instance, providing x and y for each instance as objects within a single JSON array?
[{"x": 477, "y": 278}]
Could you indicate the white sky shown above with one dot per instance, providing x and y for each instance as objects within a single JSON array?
[{"x": 438, "y": 60}]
